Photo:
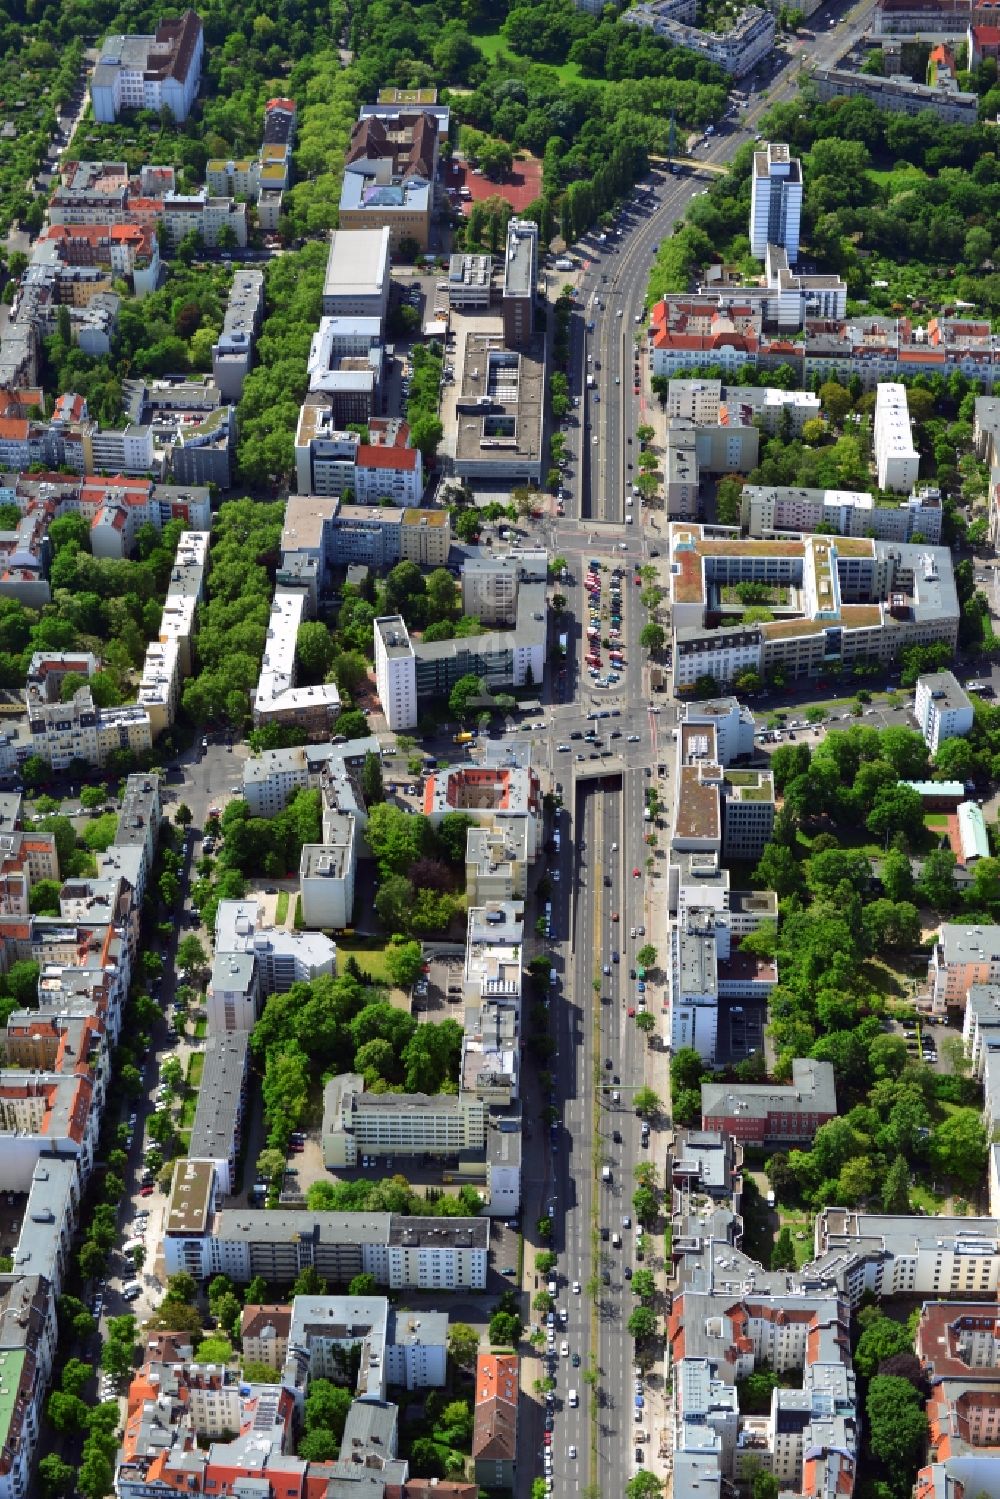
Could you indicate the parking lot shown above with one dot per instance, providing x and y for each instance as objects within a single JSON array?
[{"x": 439, "y": 994}]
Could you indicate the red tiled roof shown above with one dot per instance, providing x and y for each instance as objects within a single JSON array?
[{"x": 370, "y": 456}]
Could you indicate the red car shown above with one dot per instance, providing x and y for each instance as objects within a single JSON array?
[
  {"x": 614, "y": 916},
  {"x": 548, "y": 1439},
  {"x": 635, "y": 874},
  {"x": 146, "y": 1191},
  {"x": 631, "y": 1012}
]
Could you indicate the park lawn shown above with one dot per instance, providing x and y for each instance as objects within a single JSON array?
[
  {"x": 201, "y": 1028},
  {"x": 936, "y": 820},
  {"x": 196, "y": 1068},
  {"x": 899, "y": 179},
  {"x": 892, "y": 981},
  {"x": 370, "y": 958},
  {"x": 921, "y": 1196},
  {"x": 281, "y": 909},
  {"x": 493, "y": 43}
]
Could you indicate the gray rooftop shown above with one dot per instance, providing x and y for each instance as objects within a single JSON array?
[
  {"x": 221, "y": 1097},
  {"x": 812, "y": 1090}
]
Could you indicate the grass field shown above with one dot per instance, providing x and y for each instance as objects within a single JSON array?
[
  {"x": 493, "y": 43},
  {"x": 900, "y": 179},
  {"x": 371, "y": 959},
  {"x": 281, "y": 909}
]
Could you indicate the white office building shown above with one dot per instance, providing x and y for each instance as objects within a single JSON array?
[
  {"x": 942, "y": 709},
  {"x": 896, "y": 458},
  {"x": 775, "y": 201}
]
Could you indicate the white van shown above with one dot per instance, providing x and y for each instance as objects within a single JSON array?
[
  {"x": 606, "y": 1174},
  {"x": 572, "y": 1398}
]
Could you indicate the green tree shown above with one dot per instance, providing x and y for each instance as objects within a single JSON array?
[
  {"x": 959, "y": 1147},
  {"x": 404, "y": 962},
  {"x": 646, "y": 956},
  {"x": 646, "y": 1103},
  {"x": 463, "y": 1344},
  {"x": 652, "y": 636},
  {"x": 644, "y": 1485},
  {"x": 897, "y": 1425},
  {"x": 642, "y": 1324},
  {"x": 309, "y": 1282},
  {"x": 215, "y": 1351},
  {"x": 896, "y": 1190},
  {"x": 66, "y": 1413},
  {"x": 372, "y": 783},
  {"x": 879, "y": 1341},
  {"x": 505, "y": 1329},
  {"x": 363, "y": 1285},
  {"x": 56, "y": 1476},
  {"x": 783, "y": 1251},
  {"x": 314, "y": 651},
  {"x": 465, "y": 696}
]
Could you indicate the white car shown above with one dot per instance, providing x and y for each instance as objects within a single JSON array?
[
  {"x": 564, "y": 1349},
  {"x": 571, "y": 1451},
  {"x": 576, "y": 1288}
]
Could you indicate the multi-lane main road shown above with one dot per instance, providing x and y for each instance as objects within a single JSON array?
[{"x": 601, "y": 1058}]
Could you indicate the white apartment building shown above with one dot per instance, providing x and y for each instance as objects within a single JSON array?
[
  {"x": 768, "y": 510},
  {"x": 169, "y": 657},
  {"x": 775, "y": 201},
  {"x": 251, "y": 962},
  {"x": 203, "y": 215},
  {"x": 326, "y": 874},
  {"x": 942, "y": 709},
  {"x": 278, "y": 699},
  {"x": 904, "y": 1256},
  {"x": 896, "y": 458},
  {"x": 396, "y": 673},
  {"x": 330, "y": 461}
]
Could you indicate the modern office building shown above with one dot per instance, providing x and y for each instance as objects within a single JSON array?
[
  {"x": 357, "y": 1123},
  {"x": 775, "y": 201},
  {"x": 847, "y": 600}
]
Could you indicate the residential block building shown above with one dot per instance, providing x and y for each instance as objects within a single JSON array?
[
  {"x": 78, "y": 730},
  {"x": 769, "y": 510},
  {"x": 278, "y": 699},
  {"x": 494, "y": 1435},
  {"x": 896, "y": 458},
  {"x": 738, "y": 50},
  {"x": 232, "y": 355},
  {"x": 432, "y": 1254},
  {"x": 329, "y": 461},
  {"x": 963, "y": 956}
]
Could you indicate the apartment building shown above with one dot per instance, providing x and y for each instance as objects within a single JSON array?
[
  {"x": 169, "y": 658},
  {"x": 886, "y": 1256},
  {"x": 408, "y": 671},
  {"x": 738, "y": 51},
  {"x": 217, "y": 1131},
  {"x": 128, "y": 249},
  {"x": 78, "y": 730},
  {"x": 772, "y": 1113},
  {"x": 396, "y": 673},
  {"x": 155, "y": 72},
  {"x": 775, "y": 201},
  {"x": 496, "y": 863},
  {"x": 942, "y": 709},
  {"x": 326, "y": 873},
  {"x": 710, "y": 403},
  {"x": 520, "y": 278},
  {"x": 323, "y": 533},
  {"x": 897, "y": 95},
  {"x": 963, "y": 956},
  {"x": 956, "y": 1344},
  {"x": 277, "y": 698},
  {"x": 705, "y": 1177},
  {"x": 270, "y": 777},
  {"x": 896, "y": 459},
  {"x": 330, "y": 461},
  {"x": 402, "y": 1253},
  {"x": 769, "y": 510},
  {"x": 848, "y": 600},
  {"x": 252, "y": 962},
  {"x": 494, "y": 1435},
  {"x": 357, "y": 274},
  {"x": 232, "y": 355}
]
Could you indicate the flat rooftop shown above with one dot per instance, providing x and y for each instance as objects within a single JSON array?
[{"x": 190, "y": 1202}]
